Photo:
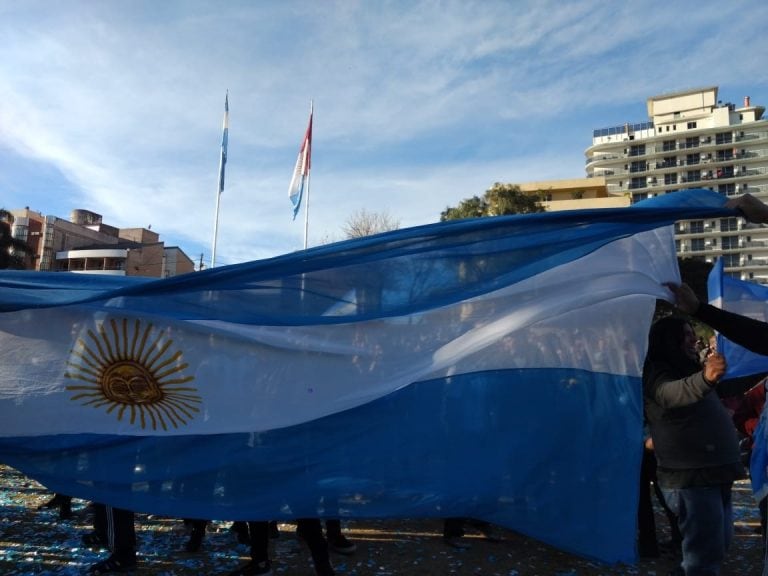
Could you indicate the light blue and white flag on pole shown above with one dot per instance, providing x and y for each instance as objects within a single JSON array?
[
  {"x": 486, "y": 368},
  {"x": 224, "y": 141}
]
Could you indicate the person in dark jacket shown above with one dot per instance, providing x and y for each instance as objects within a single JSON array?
[{"x": 695, "y": 441}]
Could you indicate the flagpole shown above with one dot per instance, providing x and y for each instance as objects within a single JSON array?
[
  {"x": 215, "y": 229},
  {"x": 222, "y": 167},
  {"x": 309, "y": 178}
]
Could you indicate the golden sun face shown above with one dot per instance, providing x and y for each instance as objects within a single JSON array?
[{"x": 132, "y": 369}]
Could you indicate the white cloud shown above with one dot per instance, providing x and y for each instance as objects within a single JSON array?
[{"x": 418, "y": 104}]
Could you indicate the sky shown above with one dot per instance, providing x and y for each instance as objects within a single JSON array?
[{"x": 116, "y": 106}]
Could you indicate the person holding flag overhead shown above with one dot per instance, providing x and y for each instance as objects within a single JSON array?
[
  {"x": 746, "y": 332},
  {"x": 695, "y": 442}
]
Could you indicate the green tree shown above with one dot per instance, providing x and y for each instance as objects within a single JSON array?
[
  {"x": 12, "y": 250},
  {"x": 498, "y": 200}
]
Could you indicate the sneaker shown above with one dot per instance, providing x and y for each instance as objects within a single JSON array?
[
  {"x": 262, "y": 568},
  {"x": 456, "y": 542},
  {"x": 342, "y": 545},
  {"x": 112, "y": 565}
]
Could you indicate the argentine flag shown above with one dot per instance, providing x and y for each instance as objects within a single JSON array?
[
  {"x": 747, "y": 299},
  {"x": 486, "y": 368}
]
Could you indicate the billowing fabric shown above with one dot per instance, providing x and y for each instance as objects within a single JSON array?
[
  {"x": 744, "y": 298},
  {"x": 485, "y": 368},
  {"x": 751, "y": 300}
]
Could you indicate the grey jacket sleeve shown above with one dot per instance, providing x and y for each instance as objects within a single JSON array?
[{"x": 670, "y": 392}]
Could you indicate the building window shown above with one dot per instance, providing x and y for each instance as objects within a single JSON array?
[
  {"x": 730, "y": 260},
  {"x": 730, "y": 242},
  {"x": 729, "y": 224},
  {"x": 723, "y": 138},
  {"x": 696, "y": 226},
  {"x": 697, "y": 244},
  {"x": 723, "y": 155},
  {"x": 691, "y": 125},
  {"x": 727, "y": 189},
  {"x": 670, "y": 178}
]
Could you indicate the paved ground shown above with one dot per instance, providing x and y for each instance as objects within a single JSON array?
[{"x": 37, "y": 542}]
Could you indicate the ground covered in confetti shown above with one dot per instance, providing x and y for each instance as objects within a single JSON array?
[{"x": 36, "y": 541}]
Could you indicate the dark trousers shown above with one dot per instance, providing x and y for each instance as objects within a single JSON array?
[
  {"x": 115, "y": 526},
  {"x": 259, "y": 539},
  {"x": 332, "y": 529},
  {"x": 311, "y": 531},
  {"x": 646, "y": 520}
]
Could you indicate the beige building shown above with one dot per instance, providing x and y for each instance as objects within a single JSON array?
[
  {"x": 693, "y": 140},
  {"x": 575, "y": 194},
  {"x": 84, "y": 244}
]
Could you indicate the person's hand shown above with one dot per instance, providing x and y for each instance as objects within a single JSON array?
[
  {"x": 685, "y": 298},
  {"x": 752, "y": 209},
  {"x": 714, "y": 367},
  {"x": 648, "y": 444}
]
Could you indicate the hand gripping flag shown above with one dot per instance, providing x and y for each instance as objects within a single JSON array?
[
  {"x": 358, "y": 379},
  {"x": 301, "y": 170}
]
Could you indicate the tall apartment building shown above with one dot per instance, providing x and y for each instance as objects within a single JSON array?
[
  {"x": 693, "y": 140},
  {"x": 84, "y": 244}
]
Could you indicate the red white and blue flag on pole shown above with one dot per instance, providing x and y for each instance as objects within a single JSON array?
[{"x": 301, "y": 170}]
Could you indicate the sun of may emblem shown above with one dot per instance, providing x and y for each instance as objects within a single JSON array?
[{"x": 129, "y": 368}]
